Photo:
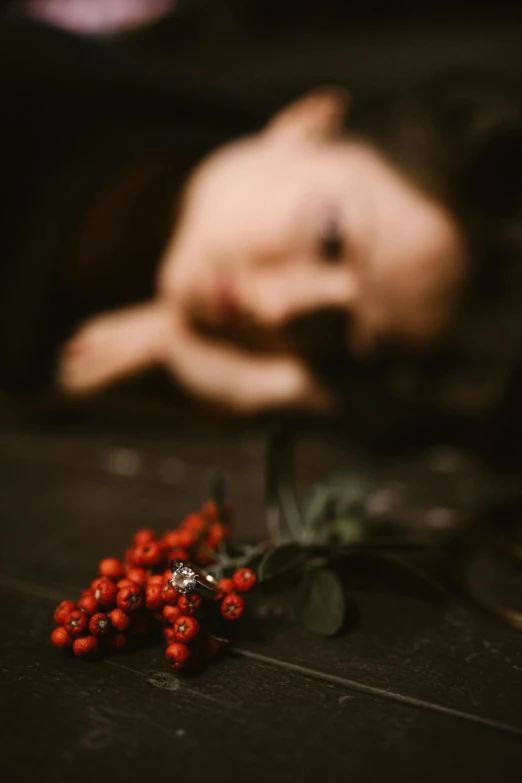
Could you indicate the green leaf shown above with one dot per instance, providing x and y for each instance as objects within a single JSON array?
[
  {"x": 282, "y": 564},
  {"x": 339, "y": 496},
  {"x": 322, "y": 606},
  {"x": 340, "y": 532}
]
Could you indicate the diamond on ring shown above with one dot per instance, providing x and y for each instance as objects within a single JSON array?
[{"x": 183, "y": 579}]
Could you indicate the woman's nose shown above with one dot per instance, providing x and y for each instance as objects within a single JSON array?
[{"x": 284, "y": 297}]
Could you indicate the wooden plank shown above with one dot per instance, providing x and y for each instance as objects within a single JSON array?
[
  {"x": 66, "y": 502},
  {"x": 130, "y": 718},
  {"x": 445, "y": 654}
]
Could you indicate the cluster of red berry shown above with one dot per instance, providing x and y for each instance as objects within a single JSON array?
[
  {"x": 136, "y": 596},
  {"x": 186, "y": 617}
]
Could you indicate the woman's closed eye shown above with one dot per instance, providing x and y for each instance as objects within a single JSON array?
[{"x": 331, "y": 241}]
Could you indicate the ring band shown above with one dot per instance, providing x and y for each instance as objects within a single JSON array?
[{"x": 187, "y": 579}]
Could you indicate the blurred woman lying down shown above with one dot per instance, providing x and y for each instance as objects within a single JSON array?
[{"x": 371, "y": 231}]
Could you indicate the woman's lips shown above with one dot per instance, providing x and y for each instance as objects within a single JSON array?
[{"x": 228, "y": 306}]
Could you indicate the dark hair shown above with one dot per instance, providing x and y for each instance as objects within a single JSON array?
[{"x": 458, "y": 136}]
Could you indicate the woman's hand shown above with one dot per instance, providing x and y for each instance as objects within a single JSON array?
[
  {"x": 236, "y": 379},
  {"x": 120, "y": 344}
]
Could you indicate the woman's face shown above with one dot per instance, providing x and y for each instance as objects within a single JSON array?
[{"x": 298, "y": 221}]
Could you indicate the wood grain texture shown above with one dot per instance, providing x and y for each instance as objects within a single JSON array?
[
  {"x": 418, "y": 688},
  {"x": 130, "y": 717}
]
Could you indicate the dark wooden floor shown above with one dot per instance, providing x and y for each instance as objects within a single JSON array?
[{"x": 421, "y": 688}]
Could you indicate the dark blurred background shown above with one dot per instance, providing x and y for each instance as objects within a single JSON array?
[
  {"x": 263, "y": 53},
  {"x": 266, "y": 53},
  {"x": 431, "y": 684}
]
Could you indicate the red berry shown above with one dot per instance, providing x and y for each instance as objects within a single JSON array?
[
  {"x": 216, "y": 535},
  {"x": 189, "y": 604},
  {"x": 210, "y": 646},
  {"x": 60, "y": 637},
  {"x": 96, "y": 583},
  {"x": 117, "y": 640},
  {"x": 128, "y": 557},
  {"x": 170, "y": 614},
  {"x": 85, "y": 646},
  {"x": 155, "y": 579},
  {"x": 209, "y": 511},
  {"x": 179, "y": 554},
  {"x": 88, "y": 604},
  {"x": 169, "y": 635},
  {"x": 77, "y": 622},
  {"x": 154, "y": 596},
  {"x": 167, "y": 575},
  {"x": 232, "y": 607},
  {"x": 183, "y": 539},
  {"x": 119, "y": 620},
  {"x": 104, "y": 591},
  {"x": 137, "y": 575},
  {"x": 187, "y": 538},
  {"x": 177, "y": 655},
  {"x": 204, "y": 557},
  {"x": 170, "y": 596},
  {"x": 129, "y": 599},
  {"x": 225, "y": 587},
  {"x": 62, "y": 612},
  {"x": 143, "y": 536},
  {"x": 186, "y": 628},
  {"x": 170, "y": 539},
  {"x": 126, "y": 582},
  {"x": 111, "y": 568},
  {"x": 148, "y": 555},
  {"x": 100, "y": 624},
  {"x": 163, "y": 545},
  {"x": 244, "y": 580},
  {"x": 194, "y": 523}
]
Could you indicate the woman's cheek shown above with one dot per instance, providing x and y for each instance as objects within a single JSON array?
[
  {"x": 172, "y": 274},
  {"x": 177, "y": 262}
]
